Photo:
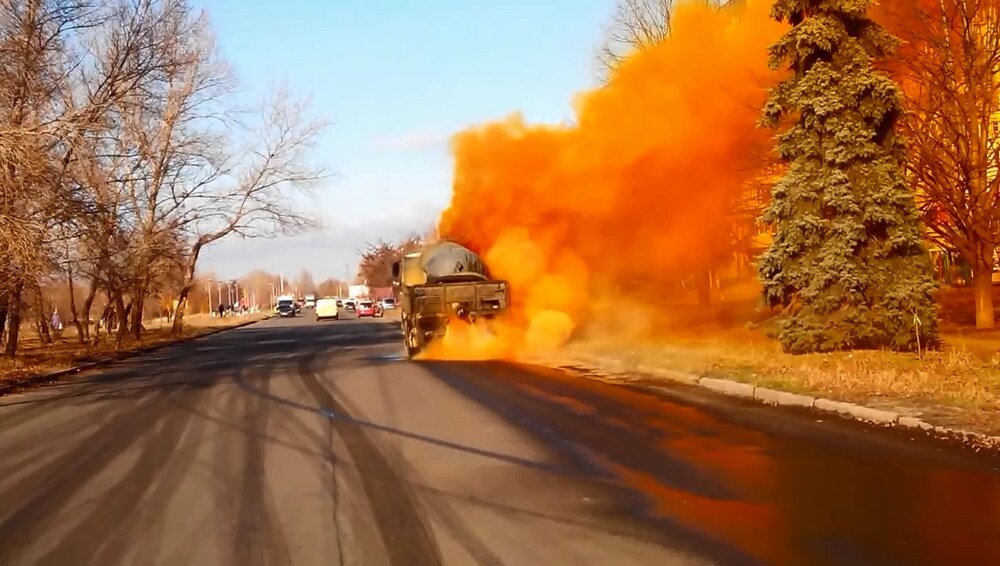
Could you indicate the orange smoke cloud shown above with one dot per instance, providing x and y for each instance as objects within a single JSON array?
[{"x": 637, "y": 194}]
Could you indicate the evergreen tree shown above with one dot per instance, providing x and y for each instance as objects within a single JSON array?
[{"x": 848, "y": 259}]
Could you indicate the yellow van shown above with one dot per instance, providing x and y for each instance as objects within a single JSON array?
[{"x": 327, "y": 308}]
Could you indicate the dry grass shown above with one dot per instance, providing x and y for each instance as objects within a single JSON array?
[
  {"x": 36, "y": 358},
  {"x": 958, "y": 386}
]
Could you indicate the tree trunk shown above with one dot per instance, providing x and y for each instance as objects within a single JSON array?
[
  {"x": 704, "y": 286},
  {"x": 982, "y": 286},
  {"x": 105, "y": 320},
  {"x": 88, "y": 304},
  {"x": 13, "y": 321},
  {"x": 3, "y": 315},
  {"x": 43, "y": 323},
  {"x": 137, "y": 315},
  {"x": 182, "y": 297},
  {"x": 122, "y": 311},
  {"x": 178, "y": 325},
  {"x": 138, "y": 309},
  {"x": 80, "y": 332},
  {"x": 43, "y": 330}
]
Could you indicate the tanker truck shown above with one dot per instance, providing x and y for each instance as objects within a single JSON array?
[{"x": 443, "y": 282}]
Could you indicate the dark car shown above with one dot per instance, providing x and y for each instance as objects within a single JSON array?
[{"x": 286, "y": 309}]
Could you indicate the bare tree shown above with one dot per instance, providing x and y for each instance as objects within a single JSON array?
[
  {"x": 635, "y": 25},
  {"x": 948, "y": 67},
  {"x": 260, "y": 283},
  {"x": 173, "y": 147},
  {"x": 375, "y": 266},
  {"x": 376, "y": 262},
  {"x": 305, "y": 282},
  {"x": 331, "y": 287},
  {"x": 123, "y": 153},
  {"x": 266, "y": 185},
  {"x": 35, "y": 54},
  {"x": 65, "y": 65}
]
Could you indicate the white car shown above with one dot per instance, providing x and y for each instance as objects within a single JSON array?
[{"x": 388, "y": 304}]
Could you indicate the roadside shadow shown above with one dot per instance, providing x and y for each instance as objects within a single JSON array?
[{"x": 199, "y": 363}]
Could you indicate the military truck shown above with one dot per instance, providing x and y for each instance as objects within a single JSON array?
[{"x": 440, "y": 283}]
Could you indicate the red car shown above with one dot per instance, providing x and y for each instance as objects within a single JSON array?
[{"x": 369, "y": 308}]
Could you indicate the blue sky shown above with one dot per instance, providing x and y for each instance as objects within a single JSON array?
[{"x": 397, "y": 78}]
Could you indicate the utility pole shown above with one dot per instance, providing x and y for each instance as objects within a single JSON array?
[
  {"x": 347, "y": 279},
  {"x": 208, "y": 295}
]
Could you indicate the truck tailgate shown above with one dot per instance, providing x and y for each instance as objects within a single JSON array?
[{"x": 477, "y": 297}]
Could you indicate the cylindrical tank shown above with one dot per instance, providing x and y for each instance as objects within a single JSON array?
[{"x": 447, "y": 261}]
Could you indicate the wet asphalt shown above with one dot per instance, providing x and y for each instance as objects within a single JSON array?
[{"x": 301, "y": 442}]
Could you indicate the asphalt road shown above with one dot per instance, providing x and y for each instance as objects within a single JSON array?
[{"x": 296, "y": 442}]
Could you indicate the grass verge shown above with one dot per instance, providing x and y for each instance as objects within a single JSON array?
[{"x": 958, "y": 386}]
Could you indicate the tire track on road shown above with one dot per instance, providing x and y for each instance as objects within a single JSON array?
[
  {"x": 258, "y": 540},
  {"x": 109, "y": 528},
  {"x": 70, "y": 472},
  {"x": 438, "y": 507},
  {"x": 407, "y": 541}
]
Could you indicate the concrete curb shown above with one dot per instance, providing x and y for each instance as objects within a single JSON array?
[
  {"x": 734, "y": 388},
  {"x": 775, "y": 397},
  {"x": 672, "y": 375},
  {"x": 19, "y": 385},
  {"x": 786, "y": 399}
]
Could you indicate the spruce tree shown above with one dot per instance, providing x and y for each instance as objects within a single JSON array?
[{"x": 847, "y": 260}]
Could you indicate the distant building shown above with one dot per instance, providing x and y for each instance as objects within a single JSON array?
[
  {"x": 358, "y": 291},
  {"x": 379, "y": 293}
]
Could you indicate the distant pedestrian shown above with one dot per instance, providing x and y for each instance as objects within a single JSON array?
[
  {"x": 222, "y": 310},
  {"x": 57, "y": 325}
]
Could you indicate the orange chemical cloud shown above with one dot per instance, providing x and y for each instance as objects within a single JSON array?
[{"x": 637, "y": 194}]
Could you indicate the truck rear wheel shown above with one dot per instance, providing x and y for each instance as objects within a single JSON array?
[{"x": 412, "y": 339}]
